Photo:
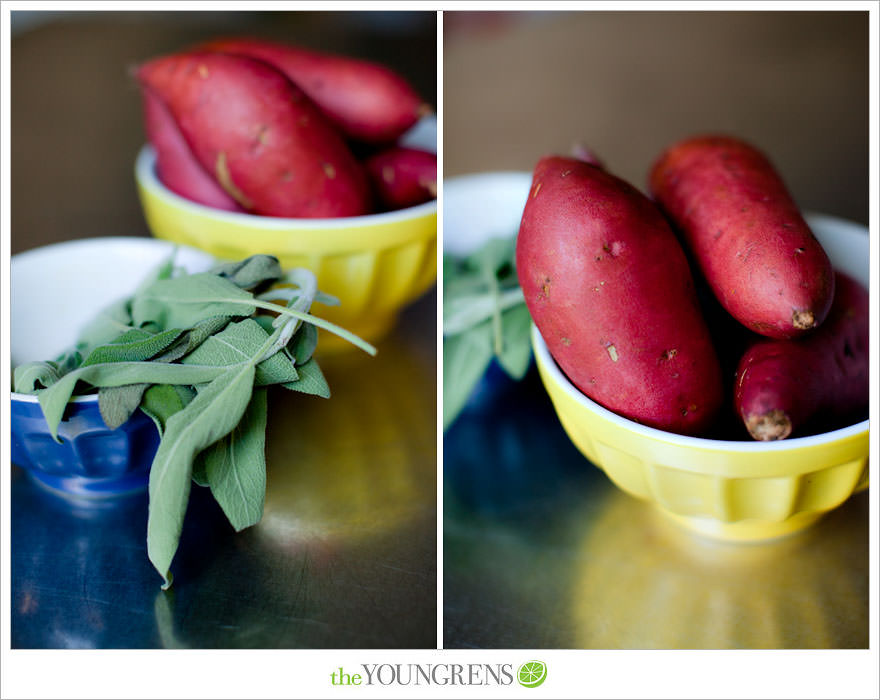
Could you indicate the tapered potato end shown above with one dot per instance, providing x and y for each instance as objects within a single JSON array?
[{"x": 773, "y": 425}]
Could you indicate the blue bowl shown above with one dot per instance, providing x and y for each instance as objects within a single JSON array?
[
  {"x": 91, "y": 460},
  {"x": 68, "y": 283}
]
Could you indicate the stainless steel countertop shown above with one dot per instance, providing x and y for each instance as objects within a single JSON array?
[{"x": 541, "y": 550}]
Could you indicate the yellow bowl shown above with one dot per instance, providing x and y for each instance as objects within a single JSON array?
[
  {"x": 725, "y": 489},
  {"x": 374, "y": 264}
]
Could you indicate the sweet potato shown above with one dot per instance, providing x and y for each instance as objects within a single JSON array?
[
  {"x": 609, "y": 288},
  {"x": 366, "y": 101},
  {"x": 745, "y": 233},
  {"x": 176, "y": 167},
  {"x": 784, "y": 386},
  {"x": 264, "y": 141},
  {"x": 403, "y": 177}
]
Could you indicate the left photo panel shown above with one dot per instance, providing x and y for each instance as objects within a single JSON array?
[{"x": 223, "y": 330}]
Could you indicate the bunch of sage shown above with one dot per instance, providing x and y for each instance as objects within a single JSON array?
[
  {"x": 195, "y": 352},
  {"x": 484, "y": 317}
]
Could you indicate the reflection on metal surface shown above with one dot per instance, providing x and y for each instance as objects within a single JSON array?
[
  {"x": 61, "y": 548},
  {"x": 364, "y": 461},
  {"x": 644, "y": 582},
  {"x": 543, "y": 551},
  {"x": 163, "y": 609}
]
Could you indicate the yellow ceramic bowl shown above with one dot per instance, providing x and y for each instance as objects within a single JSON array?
[
  {"x": 374, "y": 264},
  {"x": 725, "y": 489}
]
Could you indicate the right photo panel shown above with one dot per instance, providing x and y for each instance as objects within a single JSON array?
[{"x": 655, "y": 330}]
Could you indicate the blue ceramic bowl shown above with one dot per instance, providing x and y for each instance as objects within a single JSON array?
[
  {"x": 91, "y": 460},
  {"x": 67, "y": 284}
]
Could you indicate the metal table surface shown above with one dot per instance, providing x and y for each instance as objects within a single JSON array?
[
  {"x": 541, "y": 550},
  {"x": 344, "y": 556}
]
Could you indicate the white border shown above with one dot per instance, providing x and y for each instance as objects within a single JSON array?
[{"x": 439, "y": 426}]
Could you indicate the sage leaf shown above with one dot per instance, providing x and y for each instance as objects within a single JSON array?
[
  {"x": 161, "y": 401},
  {"x": 30, "y": 377},
  {"x": 69, "y": 361},
  {"x": 473, "y": 310},
  {"x": 484, "y": 316},
  {"x": 303, "y": 344},
  {"x": 135, "y": 345},
  {"x": 182, "y": 302},
  {"x": 311, "y": 380},
  {"x": 495, "y": 255},
  {"x": 54, "y": 398},
  {"x": 291, "y": 312},
  {"x": 251, "y": 273},
  {"x": 193, "y": 338},
  {"x": 237, "y": 343},
  {"x": 200, "y": 471},
  {"x": 516, "y": 352},
  {"x": 117, "y": 403},
  {"x": 214, "y": 412},
  {"x": 235, "y": 466},
  {"x": 326, "y": 299},
  {"x": 265, "y": 322},
  {"x": 465, "y": 358}
]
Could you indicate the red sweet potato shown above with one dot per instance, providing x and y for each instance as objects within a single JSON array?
[
  {"x": 264, "y": 141},
  {"x": 366, "y": 101},
  {"x": 783, "y": 385},
  {"x": 609, "y": 288},
  {"x": 403, "y": 177},
  {"x": 745, "y": 233},
  {"x": 176, "y": 167}
]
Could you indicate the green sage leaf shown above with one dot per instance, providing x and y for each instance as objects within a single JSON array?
[
  {"x": 251, "y": 273},
  {"x": 215, "y": 411},
  {"x": 235, "y": 466},
  {"x": 54, "y": 399},
  {"x": 200, "y": 472},
  {"x": 118, "y": 403},
  {"x": 311, "y": 380},
  {"x": 182, "y": 302},
  {"x": 303, "y": 344},
  {"x": 516, "y": 352},
  {"x": 135, "y": 345},
  {"x": 465, "y": 358},
  {"x": 265, "y": 322},
  {"x": 193, "y": 338},
  {"x": 161, "y": 401},
  {"x": 31, "y": 377},
  {"x": 69, "y": 361},
  {"x": 237, "y": 343}
]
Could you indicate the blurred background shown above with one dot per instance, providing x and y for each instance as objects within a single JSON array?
[
  {"x": 76, "y": 112},
  {"x": 520, "y": 85}
]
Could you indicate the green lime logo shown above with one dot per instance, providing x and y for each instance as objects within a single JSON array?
[{"x": 531, "y": 674}]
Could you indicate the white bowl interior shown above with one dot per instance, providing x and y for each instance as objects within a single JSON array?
[
  {"x": 422, "y": 135},
  {"x": 57, "y": 289},
  {"x": 847, "y": 246},
  {"x": 482, "y": 206}
]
